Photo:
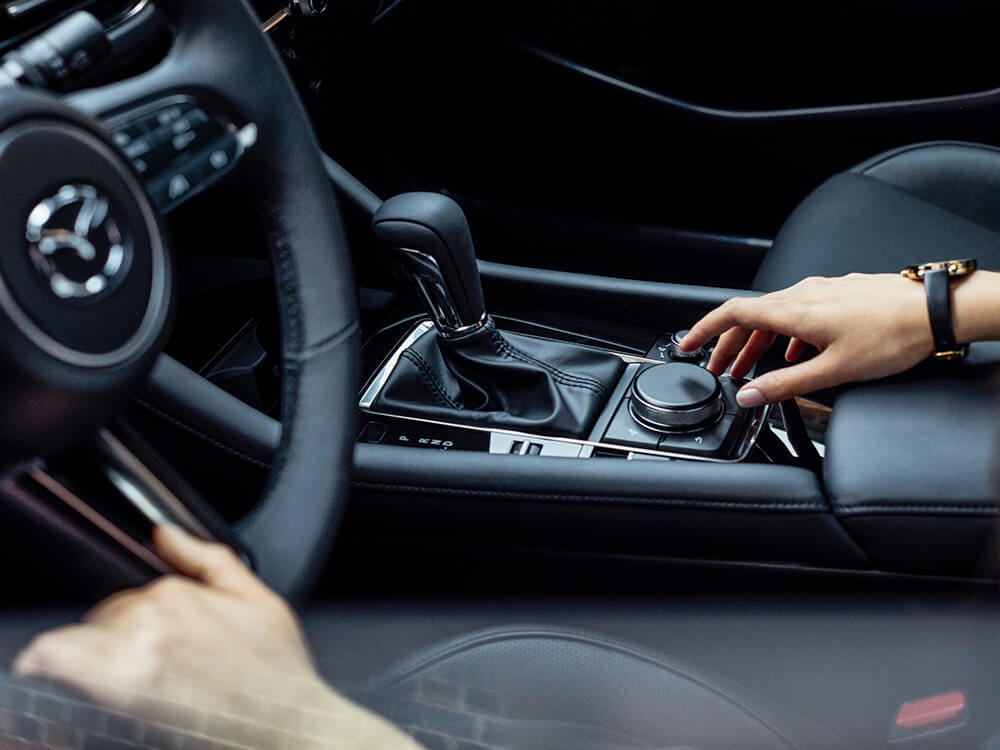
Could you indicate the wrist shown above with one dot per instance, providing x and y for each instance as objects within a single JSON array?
[{"x": 976, "y": 307}]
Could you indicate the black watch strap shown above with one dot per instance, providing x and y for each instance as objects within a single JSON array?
[{"x": 937, "y": 282}]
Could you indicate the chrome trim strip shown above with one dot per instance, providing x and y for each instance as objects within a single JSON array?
[
  {"x": 683, "y": 425},
  {"x": 20, "y": 7},
  {"x": 128, "y": 15},
  {"x": 379, "y": 380},
  {"x": 759, "y": 420},
  {"x": 426, "y": 274}
]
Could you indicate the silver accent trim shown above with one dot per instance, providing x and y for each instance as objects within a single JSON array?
[
  {"x": 129, "y": 14},
  {"x": 586, "y": 447},
  {"x": 701, "y": 414},
  {"x": 246, "y": 137},
  {"x": 46, "y": 240},
  {"x": 684, "y": 420},
  {"x": 20, "y": 7},
  {"x": 378, "y": 382},
  {"x": 744, "y": 450},
  {"x": 426, "y": 274}
]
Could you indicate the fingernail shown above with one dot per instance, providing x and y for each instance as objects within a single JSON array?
[{"x": 750, "y": 398}]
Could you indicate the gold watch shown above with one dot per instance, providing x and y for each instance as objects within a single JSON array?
[{"x": 936, "y": 277}]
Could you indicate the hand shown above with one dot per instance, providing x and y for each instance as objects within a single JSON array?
[
  {"x": 864, "y": 326},
  {"x": 189, "y": 652}
]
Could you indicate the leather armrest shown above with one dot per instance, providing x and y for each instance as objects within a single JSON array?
[{"x": 911, "y": 469}]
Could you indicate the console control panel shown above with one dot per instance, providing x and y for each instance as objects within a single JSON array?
[
  {"x": 179, "y": 149},
  {"x": 682, "y": 409},
  {"x": 667, "y": 406}
]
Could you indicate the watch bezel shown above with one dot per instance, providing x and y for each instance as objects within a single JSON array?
[{"x": 955, "y": 268}]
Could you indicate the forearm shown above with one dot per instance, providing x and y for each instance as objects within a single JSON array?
[{"x": 976, "y": 307}]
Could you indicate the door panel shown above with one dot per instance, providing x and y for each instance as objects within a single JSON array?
[{"x": 651, "y": 142}]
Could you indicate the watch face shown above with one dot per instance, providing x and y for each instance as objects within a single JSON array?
[{"x": 954, "y": 268}]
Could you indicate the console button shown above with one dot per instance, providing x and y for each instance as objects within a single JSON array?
[
  {"x": 711, "y": 442},
  {"x": 676, "y": 397},
  {"x": 665, "y": 349},
  {"x": 673, "y": 349},
  {"x": 624, "y": 430},
  {"x": 373, "y": 432}
]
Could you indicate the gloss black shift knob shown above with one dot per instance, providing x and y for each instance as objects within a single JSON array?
[{"x": 429, "y": 237}]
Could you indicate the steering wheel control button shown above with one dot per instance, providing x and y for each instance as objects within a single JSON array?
[
  {"x": 180, "y": 149},
  {"x": 676, "y": 397},
  {"x": 624, "y": 430}
]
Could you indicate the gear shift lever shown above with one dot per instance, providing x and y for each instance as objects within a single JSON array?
[
  {"x": 471, "y": 373},
  {"x": 430, "y": 239}
]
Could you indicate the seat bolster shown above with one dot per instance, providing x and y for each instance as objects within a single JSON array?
[
  {"x": 926, "y": 202},
  {"x": 963, "y": 178},
  {"x": 853, "y": 223}
]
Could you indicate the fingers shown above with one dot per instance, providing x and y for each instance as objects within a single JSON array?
[
  {"x": 779, "y": 385},
  {"x": 215, "y": 565},
  {"x": 73, "y": 655},
  {"x": 752, "y": 313},
  {"x": 796, "y": 348},
  {"x": 758, "y": 344},
  {"x": 730, "y": 345}
]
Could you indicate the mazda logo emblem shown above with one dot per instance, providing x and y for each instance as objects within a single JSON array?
[{"x": 76, "y": 244}]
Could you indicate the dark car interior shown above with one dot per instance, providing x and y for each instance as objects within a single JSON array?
[{"x": 400, "y": 322}]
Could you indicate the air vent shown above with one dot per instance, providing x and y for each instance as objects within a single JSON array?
[{"x": 20, "y": 19}]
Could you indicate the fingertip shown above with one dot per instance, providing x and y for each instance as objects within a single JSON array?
[
  {"x": 750, "y": 397},
  {"x": 688, "y": 343}
]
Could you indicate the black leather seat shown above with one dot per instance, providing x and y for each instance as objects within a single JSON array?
[{"x": 928, "y": 201}]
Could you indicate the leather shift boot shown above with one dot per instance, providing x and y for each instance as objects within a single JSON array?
[{"x": 502, "y": 380}]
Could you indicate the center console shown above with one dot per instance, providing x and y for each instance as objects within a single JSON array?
[
  {"x": 456, "y": 381},
  {"x": 660, "y": 407}
]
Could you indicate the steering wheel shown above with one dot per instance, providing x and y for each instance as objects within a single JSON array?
[{"x": 86, "y": 303}]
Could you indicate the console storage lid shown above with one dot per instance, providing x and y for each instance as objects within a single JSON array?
[{"x": 911, "y": 468}]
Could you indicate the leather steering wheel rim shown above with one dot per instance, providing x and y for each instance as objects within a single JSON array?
[{"x": 219, "y": 55}]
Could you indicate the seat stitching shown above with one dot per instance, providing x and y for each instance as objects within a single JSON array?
[
  {"x": 612, "y": 499},
  {"x": 201, "y": 435}
]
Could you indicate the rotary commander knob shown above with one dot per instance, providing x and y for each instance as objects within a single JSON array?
[{"x": 677, "y": 397}]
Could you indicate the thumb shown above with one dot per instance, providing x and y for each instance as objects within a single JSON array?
[
  {"x": 213, "y": 564},
  {"x": 788, "y": 382}
]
